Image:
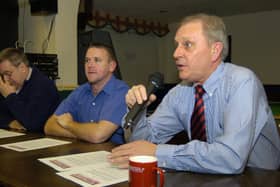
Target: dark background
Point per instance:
(9, 23)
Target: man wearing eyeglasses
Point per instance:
(93, 112)
(27, 97)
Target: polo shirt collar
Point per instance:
(108, 88)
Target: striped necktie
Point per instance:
(198, 128)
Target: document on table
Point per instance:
(87, 169)
(102, 174)
(6, 133)
(34, 144)
(63, 163)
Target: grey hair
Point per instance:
(213, 28)
(14, 55)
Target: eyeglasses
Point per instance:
(9, 73)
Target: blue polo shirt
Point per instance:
(108, 105)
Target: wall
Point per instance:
(8, 20)
(255, 43)
(141, 55)
(166, 48)
(33, 32)
(66, 41)
(137, 55)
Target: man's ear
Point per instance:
(22, 67)
(216, 51)
(113, 65)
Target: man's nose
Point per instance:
(177, 52)
(90, 63)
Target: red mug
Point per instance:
(143, 171)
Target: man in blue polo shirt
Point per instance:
(93, 111)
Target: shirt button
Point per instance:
(93, 103)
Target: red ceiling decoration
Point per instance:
(122, 24)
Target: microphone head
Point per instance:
(156, 79)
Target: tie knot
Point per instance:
(199, 90)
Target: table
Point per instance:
(24, 170)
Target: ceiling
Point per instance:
(173, 10)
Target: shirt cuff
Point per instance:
(164, 154)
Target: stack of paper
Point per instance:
(87, 169)
(34, 144)
(7, 134)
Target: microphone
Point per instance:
(155, 82)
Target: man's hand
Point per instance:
(64, 120)
(17, 126)
(120, 155)
(6, 88)
(138, 94)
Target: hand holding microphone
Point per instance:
(138, 98)
(138, 94)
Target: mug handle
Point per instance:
(161, 175)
